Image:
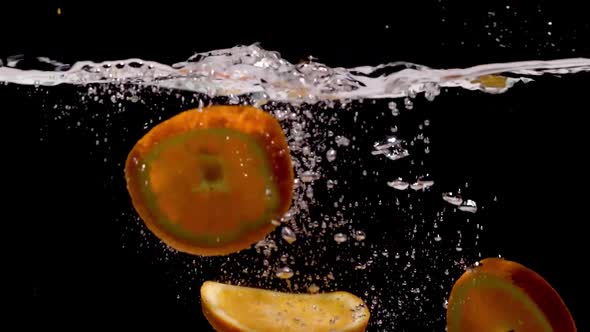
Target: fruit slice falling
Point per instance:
(499, 295)
(209, 182)
(241, 309)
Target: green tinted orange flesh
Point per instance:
(209, 182)
(501, 296)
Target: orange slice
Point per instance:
(501, 296)
(245, 309)
(209, 182)
(492, 81)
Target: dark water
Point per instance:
(519, 155)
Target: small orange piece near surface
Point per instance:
(501, 296)
(209, 182)
(240, 309)
(492, 81)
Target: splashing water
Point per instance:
(253, 70)
(318, 244)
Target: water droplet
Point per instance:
(454, 199)
(468, 206)
(288, 235)
(342, 141)
(398, 184)
(340, 237)
(445, 304)
(309, 176)
(284, 272)
(331, 155)
(359, 235)
(437, 238)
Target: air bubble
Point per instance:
(313, 289)
(392, 148)
(330, 184)
(468, 206)
(340, 237)
(309, 176)
(359, 235)
(284, 272)
(309, 192)
(422, 183)
(288, 235)
(342, 141)
(454, 199)
(331, 155)
(393, 107)
(408, 103)
(398, 184)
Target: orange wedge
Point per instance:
(244, 309)
(501, 296)
(209, 182)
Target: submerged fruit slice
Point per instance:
(238, 308)
(501, 296)
(209, 182)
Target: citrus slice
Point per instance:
(499, 295)
(209, 182)
(492, 81)
(245, 309)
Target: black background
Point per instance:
(527, 146)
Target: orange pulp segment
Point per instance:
(241, 309)
(499, 295)
(209, 182)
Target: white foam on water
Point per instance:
(251, 69)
